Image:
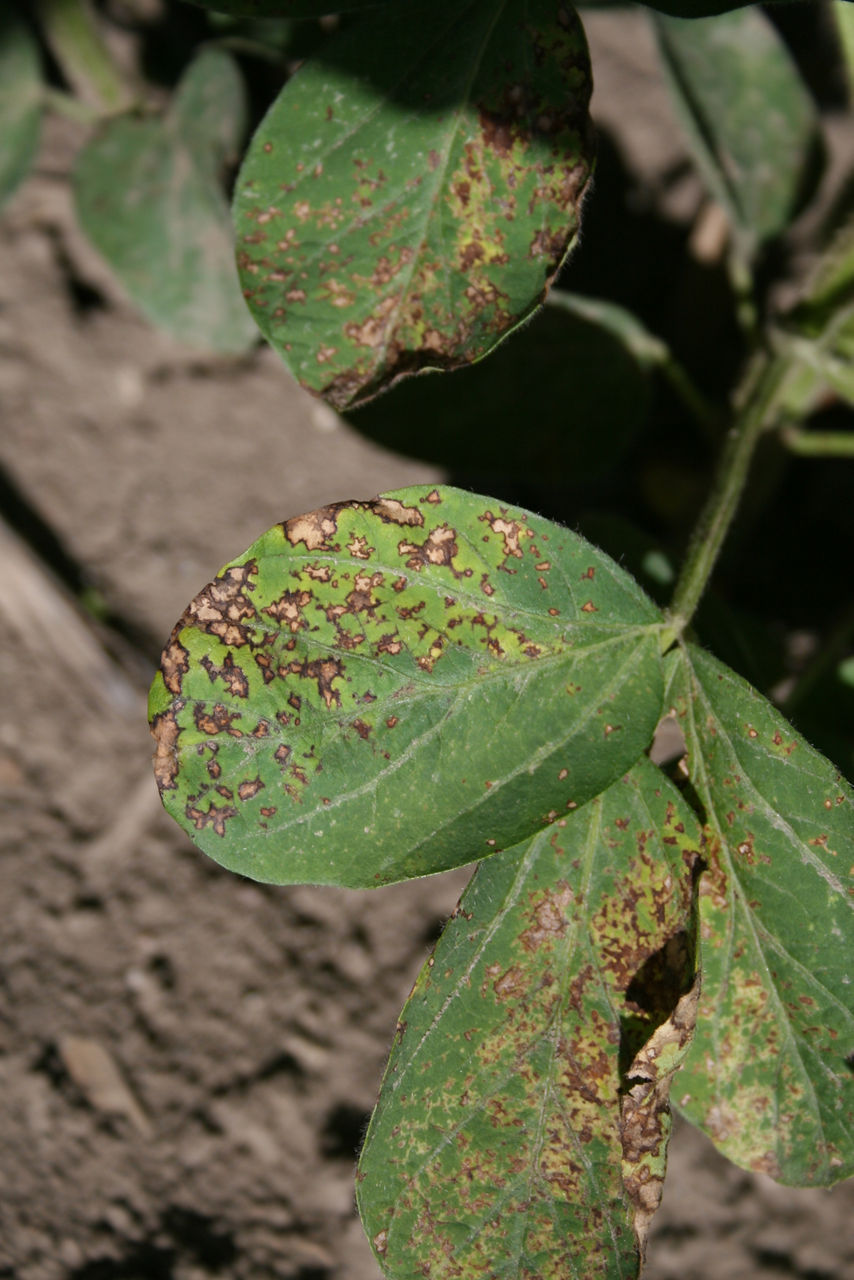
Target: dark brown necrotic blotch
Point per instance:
(165, 730)
(174, 662)
(216, 720)
(232, 676)
(439, 548)
(223, 608)
(315, 528)
(215, 817)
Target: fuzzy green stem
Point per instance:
(65, 104)
(818, 444)
(78, 47)
(753, 407)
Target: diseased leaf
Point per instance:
(408, 198)
(20, 102)
(149, 197)
(581, 392)
(769, 1076)
(509, 1139)
(380, 690)
(751, 123)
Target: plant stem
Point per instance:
(818, 444)
(754, 404)
(65, 104)
(86, 63)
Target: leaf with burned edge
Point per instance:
(769, 1075)
(380, 690)
(500, 1146)
(410, 196)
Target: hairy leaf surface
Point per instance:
(769, 1076)
(502, 1144)
(149, 197)
(411, 194)
(747, 114)
(380, 690)
(20, 102)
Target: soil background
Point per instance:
(187, 1059)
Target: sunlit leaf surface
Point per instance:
(383, 689)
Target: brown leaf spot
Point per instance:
(314, 529)
(589, 607)
(392, 511)
(174, 662)
(165, 731)
(324, 671)
(233, 677)
(218, 720)
(223, 607)
(359, 549)
(216, 817)
(246, 790)
(288, 609)
(439, 549)
(511, 532)
(549, 917)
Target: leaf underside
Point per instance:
(413, 191)
(385, 689)
(509, 1139)
(770, 1075)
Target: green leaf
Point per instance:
(751, 123)
(149, 197)
(580, 390)
(842, 15)
(769, 1076)
(20, 103)
(292, 8)
(698, 8)
(380, 690)
(507, 1137)
(408, 198)
(819, 335)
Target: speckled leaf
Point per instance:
(748, 116)
(408, 199)
(384, 689)
(769, 1076)
(580, 391)
(501, 1145)
(20, 102)
(149, 198)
